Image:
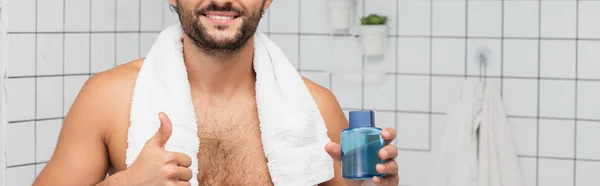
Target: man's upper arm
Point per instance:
(81, 157)
(335, 120)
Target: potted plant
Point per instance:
(340, 14)
(374, 33)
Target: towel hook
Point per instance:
(482, 57)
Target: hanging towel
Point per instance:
(292, 129)
(476, 148)
(498, 160)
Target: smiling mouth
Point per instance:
(221, 16)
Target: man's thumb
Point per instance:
(164, 132)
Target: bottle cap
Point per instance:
(362, 118)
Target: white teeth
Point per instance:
(222, 18)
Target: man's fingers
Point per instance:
(183, 183)
(163, 134)
(388, 152)
(184, 174)
(181, 159)
(387, 180)
(334, 151)
(389, 167)
(388, 134)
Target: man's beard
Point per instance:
(190, 22)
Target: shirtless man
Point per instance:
(218, 58)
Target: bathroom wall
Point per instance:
(3, 64)
(543, 58)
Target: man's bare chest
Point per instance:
(231, 150)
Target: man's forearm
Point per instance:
(119, 178)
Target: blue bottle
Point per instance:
(360, 146)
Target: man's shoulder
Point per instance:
(328, 105)
(121, 73)
(321, 94)
(115, 80)
(110, 91)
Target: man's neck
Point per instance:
(221, 77)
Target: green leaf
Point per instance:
(383, 20)
(364, 21)
(373, 19)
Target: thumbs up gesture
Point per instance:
(156, 166)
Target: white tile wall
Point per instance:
(520, 58)
(557, 138)
(77, 16)
(587, 173)
(522, 19)
(484, 18)
(413, 55)
(77, 53)
(588, 16)
(3, 66)
(45, 138)
(20, 56)
(50, 16)
(414, 18)
(588, 134)
(448, 56)
(23, 175)
(559, 19)
(49, 97)
(21, 144)
(529, 169)
(550, 80)
(588, 58)
(102, 52)
(556, 172)
(449, 18)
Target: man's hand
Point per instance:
(155, 166)
(387, 153)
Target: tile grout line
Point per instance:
(389, 73)
(86, 32)
(377, 110)
(299, 36)
(35, 89)
(63, 62)
(163, 12)
(467, 39)
(34, 120)
(576, 92)
(27, 164)
(139, 52)
(430, 77)
(502, 49)
(90, 42)
(115, 35)
(396, 70)
(559, 158)
(341, 35)
(362, 100)
(537, 159)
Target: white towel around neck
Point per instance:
(292, 129)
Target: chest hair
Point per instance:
(231, 150)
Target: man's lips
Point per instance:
(221, 16)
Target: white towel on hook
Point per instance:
(465, 158)
(498, 160)
(292, 129)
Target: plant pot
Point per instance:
(340, 14)
(374, 39)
